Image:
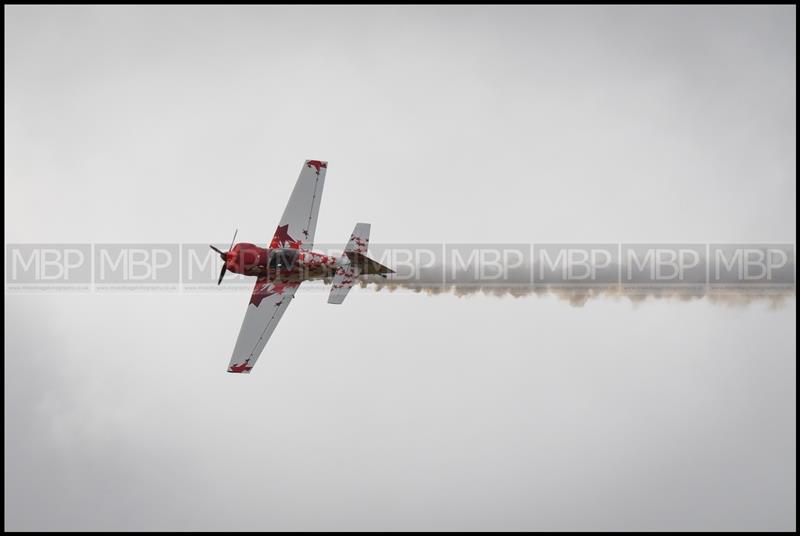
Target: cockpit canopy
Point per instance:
(282, 258)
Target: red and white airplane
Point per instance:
(288, 261)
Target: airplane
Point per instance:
(282, 267)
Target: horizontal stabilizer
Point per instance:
(343, 281)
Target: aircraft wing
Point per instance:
(299, 220)
(267, 305)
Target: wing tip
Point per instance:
(316, 165)
(241, 368)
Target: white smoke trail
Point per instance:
(430, 281)
(578, 297)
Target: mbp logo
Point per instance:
(741, 264)
(411, 262)
(136, 264)
(488, 264)
(664, 264)
(48, 265)
(596, 264)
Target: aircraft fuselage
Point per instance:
(288, 264)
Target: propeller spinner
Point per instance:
(224, 256)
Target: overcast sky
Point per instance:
(400, 411)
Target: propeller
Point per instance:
(224, 257)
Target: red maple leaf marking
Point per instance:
(316, 164)
(358, 240)
(359, 244)
(263, 290)
(241, 367)
(281, 239)
(269, 289)
(278, 288)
